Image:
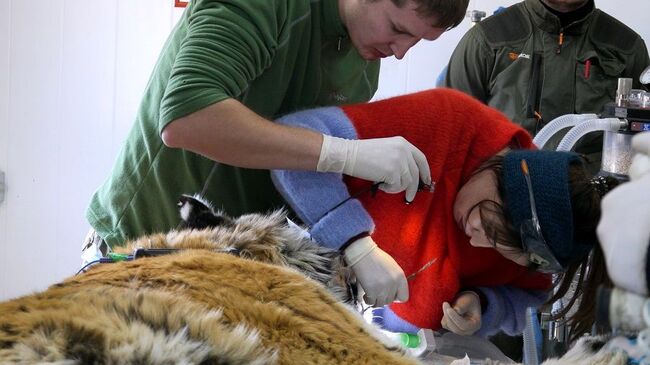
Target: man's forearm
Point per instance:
(231, 133)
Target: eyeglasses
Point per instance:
(531, 235)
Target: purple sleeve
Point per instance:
(506, 309)
(385, 318)
(313, 194)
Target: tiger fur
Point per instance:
(281, 301)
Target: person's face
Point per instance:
(480, 187)
(565, 6)
(378, 28)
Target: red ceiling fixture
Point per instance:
(181, 3)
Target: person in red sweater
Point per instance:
(467, 256)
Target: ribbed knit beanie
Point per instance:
(549, 174)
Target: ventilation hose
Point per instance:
(577, 132)
(532, 338)
(557, 124)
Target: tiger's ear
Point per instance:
(197, 213)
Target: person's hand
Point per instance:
(623, 231)
(464, 318)
(393, 161)
(379, 275)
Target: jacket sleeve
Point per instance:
(506, 309)
(227, 45)
(314, 195)
(637, 63)
(469, 66)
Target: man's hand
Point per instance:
(464, 318)
(379, 275)
(393, 161)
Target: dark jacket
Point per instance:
(523, 62)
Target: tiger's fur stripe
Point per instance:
(104, 324)
(197, 306)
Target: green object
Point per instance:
(410, 340)
(275, 56)
(117, 256)
(499, 59)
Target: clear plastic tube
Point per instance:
(558, 124)
(577, 132)
(532, 338)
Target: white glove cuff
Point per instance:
(332, 155)
(358, 250)
(640, 166)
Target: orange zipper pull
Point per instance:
(560, 42)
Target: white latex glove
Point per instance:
(393, 161)
(624, 233)
(641, 143)
(464, 318)
(381, 278)
(624, 227)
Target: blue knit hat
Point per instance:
(549, 175)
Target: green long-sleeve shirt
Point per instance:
(516, 62)
(276, 56)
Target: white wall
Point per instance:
(71, 76)
(5, 25)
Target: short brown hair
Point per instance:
(449, 13)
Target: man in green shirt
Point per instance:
(227, 69)
(540, 59)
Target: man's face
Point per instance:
(565, 6)
(380, 29)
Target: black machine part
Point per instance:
(638, 118)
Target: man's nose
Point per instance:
(401, 46)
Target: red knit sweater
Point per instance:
(456, 133)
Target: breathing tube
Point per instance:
(557, 124)
(532, 338)
(606, 124)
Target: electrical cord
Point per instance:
(101, 260)
(111, 257)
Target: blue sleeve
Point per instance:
(312, 194)
(506, 309)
